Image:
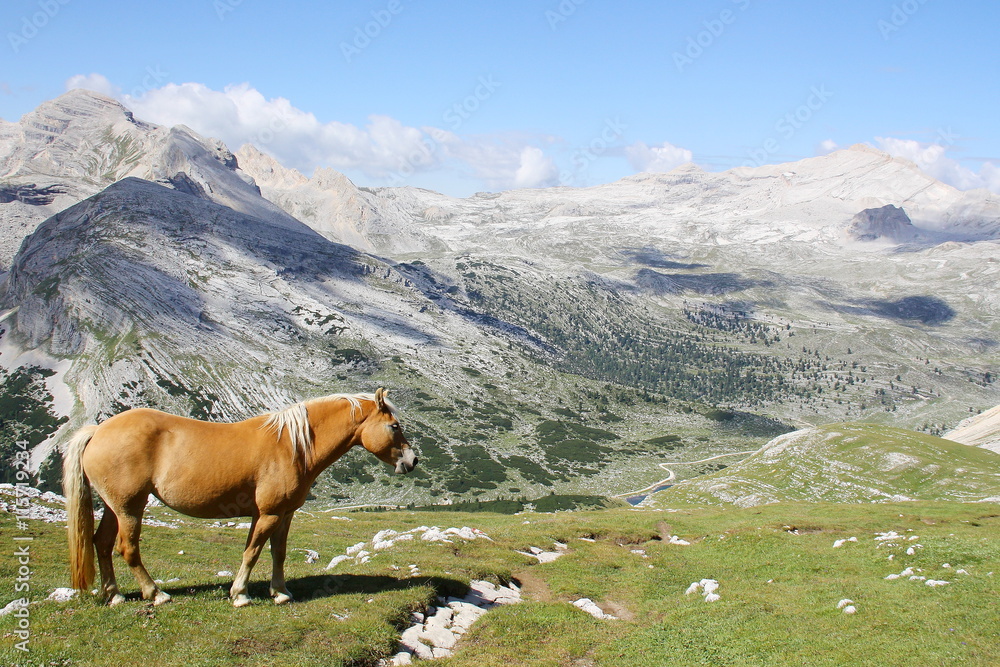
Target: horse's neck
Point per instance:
(335, 431)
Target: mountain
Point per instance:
(982, 430)
(564, 339)
(74, 146)
(888, 222)
(849, 463)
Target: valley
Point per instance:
(563, 340)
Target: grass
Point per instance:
(780, 581)
(850, 462)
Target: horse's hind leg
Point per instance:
(104, 542)
(129, 527)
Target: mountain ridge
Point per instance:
(562, 338)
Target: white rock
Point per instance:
(843, 603)
(223, 573)
(850, 609)
(441, 618)
(337, 560)
(62, 594)
(588, 605)
(439, 637)
(936, 582)
(435, 534)
(355, 549)
(678, 541)
(712, 597)
(693, 588)
(12, 607)
(402, 658)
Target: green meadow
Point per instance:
(780, 581)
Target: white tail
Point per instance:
(79, 511)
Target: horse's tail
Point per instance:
(79, 511)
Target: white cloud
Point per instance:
(656, 158)
(827, 146)
(384, 149)
(240, 114)
(536, 169)
(933, 158)
(95, 82)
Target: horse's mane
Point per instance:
(295, 418)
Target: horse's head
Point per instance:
(382, 435)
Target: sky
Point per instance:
(488, 96)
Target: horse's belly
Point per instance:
(239, 502)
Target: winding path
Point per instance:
(672, 476)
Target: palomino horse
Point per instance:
(261, 468)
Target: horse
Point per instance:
(261, 467)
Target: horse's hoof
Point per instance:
(241, 600)
(282, 598)
(160, 598)
(116, 600)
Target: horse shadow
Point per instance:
(321, 586)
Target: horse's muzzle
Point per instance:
(407, 462)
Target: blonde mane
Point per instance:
(295, 418)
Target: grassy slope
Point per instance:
(779, 591)
(849, 463)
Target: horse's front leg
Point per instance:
(261, 529)
(279, 545)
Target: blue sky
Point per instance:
(462, 97)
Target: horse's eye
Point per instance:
(395, 427)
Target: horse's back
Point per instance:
(187, 463)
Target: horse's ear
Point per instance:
(380, 394)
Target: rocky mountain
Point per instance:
(888, 222)
(562, 339)
(981, 430)
(74, 146)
